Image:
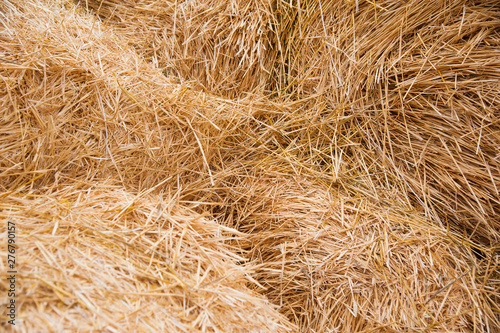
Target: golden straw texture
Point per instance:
(251, 166)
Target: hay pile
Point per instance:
(224, 47)
(100, 259)
(79, 108)
(344, 264)
(422, 80)
(252, 166)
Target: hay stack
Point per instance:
(441, 119)
(224, 47)
(337, 263)
(94, 258)
(420, 79)
(81, 113)
(80, 103)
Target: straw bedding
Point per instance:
(252, 166)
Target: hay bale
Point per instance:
(337, 263)
(420, 81)
(80, 103)
(96, 258)
(224, 47)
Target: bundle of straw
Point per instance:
(419, 80)
(95, 258)
(337, 263)
(223, 47)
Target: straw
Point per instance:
(252, 166)
(99, 259)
